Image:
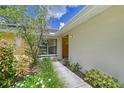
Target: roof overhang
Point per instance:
(84, 15)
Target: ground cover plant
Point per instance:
(75, 67)
(100, 80)
(46, 77)
(65, 62)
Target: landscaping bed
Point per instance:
(46, 77)
(25, 70)
(20, 71)
(93, 77)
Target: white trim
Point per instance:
(87, 13)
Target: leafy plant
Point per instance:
(65, 62)
(23, 65)
(7, 64)
(75, 67)
(98, 79)
(45, 78)
(58, 59)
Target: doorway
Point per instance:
(65, 47)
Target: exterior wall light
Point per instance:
(70, 36)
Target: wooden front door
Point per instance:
(65, 47)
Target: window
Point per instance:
(52, 46)
(48, 47)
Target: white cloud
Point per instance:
(61, 25)
(57, 11)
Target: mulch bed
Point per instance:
(80, 74)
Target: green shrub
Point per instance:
(75, 67)
(7, 64)
(45, 78)
(98, 79)
(65, 62)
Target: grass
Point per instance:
(45, 78)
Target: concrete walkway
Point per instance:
(70, 79)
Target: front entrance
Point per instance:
(65, 46)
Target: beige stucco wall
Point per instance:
(99, 43)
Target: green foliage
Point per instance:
(31, 38)
(45, 78)
(75, 67)
(100, 80)
(13, 12)
(65, 62)
(30, 28)
(7, 64)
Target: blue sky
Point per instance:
(62, 14)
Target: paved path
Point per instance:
(70, 79)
